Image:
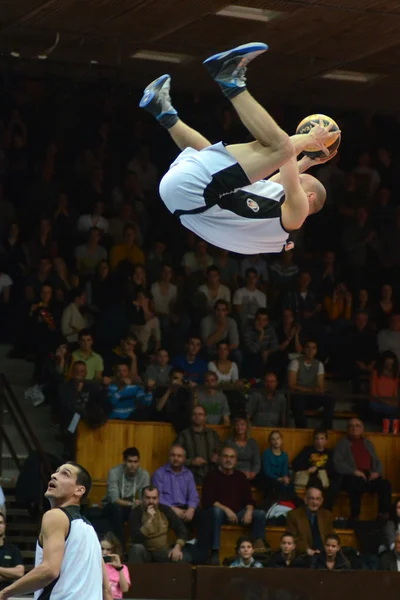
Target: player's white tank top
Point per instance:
(81, 574)
(244, 219)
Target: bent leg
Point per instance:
(186, 137)
(273, 146)
(139, 554)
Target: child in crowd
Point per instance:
(118, 574)
(332, 558)
(275, 463)
(286, 556)
(245, 551)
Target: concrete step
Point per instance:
(18, 526)
(21, 539)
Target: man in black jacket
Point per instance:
(390, 561)
(149, 524)
(317, 458)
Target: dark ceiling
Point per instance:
(310, 38)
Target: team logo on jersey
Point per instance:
(252, 204)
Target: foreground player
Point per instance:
(219, 191)
(69, 563)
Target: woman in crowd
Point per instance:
(275, 478)
(247, 449)
(385, 306)
(226, 370)
(338, 307)
(286, 556)
(384, 385)
(101, 291)
(118, 574)
(288, 334)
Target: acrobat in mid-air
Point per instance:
(225, 194)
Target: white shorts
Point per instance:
(197, 179)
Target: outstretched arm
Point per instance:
(296, 206)
(304, 164)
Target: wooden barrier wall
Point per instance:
(101, 449)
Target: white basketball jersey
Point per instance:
(247, 220)
(81, 574)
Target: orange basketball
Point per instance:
(306, 124)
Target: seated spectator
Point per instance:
(257, 262)
(126, 216)
(149, 524)
(226, 370)
(144, 324)
(363, 303)
(385, 307)
(355, 458)
(93, 361)
(245, 551)
(176, 485)
(11, 561)
(136, 281)
(248, 299)
(327, 275)
(42, 329)
(72, 319)
(247, 449)
(288, 334)
(158, 257)
(125, 485)
(389, 339)
(79, 396)
(360, 352)
(144, 169)
(94, 219)
(118, 574)
(227, 494)
(316, 458)
(129, 400)
(391, 528)
(267, 407)
(174, 404)
(259, 343)
(43, 243)
(164, 293)
(332, 557)
(284, 271)
(197, 262)
(384, 386)
(286, 556)
(64, 282)
(228, 268)
(43, 275)
(193, 366)
(159, 370)
(214, 401)
(201, 443)
(302, 300)
(390, 561)
(212, 290)
(5, 284)
(338, 307)
(217, 327)
(128, 250)
(126, 351)
(90, 254)
(310, 524)
(306, 375)
(274, 478)
(101, 289)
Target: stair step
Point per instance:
(9, 498)
(28, 553)
(17, 512)
(18, 526)
(21, 539)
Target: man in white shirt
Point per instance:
(248, 299)
(94, 219)
(256, 262)
(213, 290)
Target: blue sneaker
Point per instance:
(157, 101)
(229, 68)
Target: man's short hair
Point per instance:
(3, 516)
(131, 453)
(333, 536)
(310, 341)
(288, 534)
(315, 486)
(150, 488)
(178, 446)
(320, 431)
(78, 362)
(251, 271)
(228, 447)
(261, 311)
(203, 408)
(194, 337)
(242, 540)
(221, 302)
(83, 478)
(84, 333)
(129, 336)
(213, 269)
(176, 370)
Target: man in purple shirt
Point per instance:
(177, 489)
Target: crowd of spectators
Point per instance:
(126, 315)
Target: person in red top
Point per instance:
(356, 460)
(384, 386)
(227, 494)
